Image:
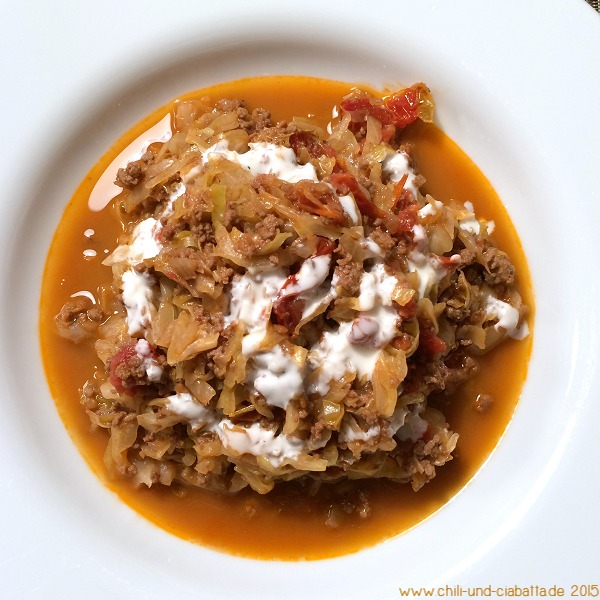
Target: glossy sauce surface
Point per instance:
(285, 524)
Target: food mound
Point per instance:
(284, 301)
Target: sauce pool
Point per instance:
(285, 524)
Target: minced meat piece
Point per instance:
(383, 239)
(500, 270)
(77, 320)
(348, 273)
(255, 239)
(131, 175)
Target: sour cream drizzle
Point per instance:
(395, 165)
(356, 345)
(350, 208)
(255, 439)
(259, 441)
(137, 298)
(277, 377)
(153, 370)
(265, 159)
(508, 318)
(251, 300)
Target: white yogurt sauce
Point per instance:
(259, 441)
(323, 295)
(430, 209)
(413, 428)
(145, 243)
(251, 300)
(376, 285)
(265, 159)
(277, 377)
(508, 318)
(472, 225)
(137, 298)
(350, 434)
(335, 353)
(429, 270)
(349, 207)
(153, 370)
(401, 424)
(395, 165)
(198, 415)
(312, 273)
(373, 250)
(356, 345)
(255, 440)
(85, 294)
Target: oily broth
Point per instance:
(285, 524)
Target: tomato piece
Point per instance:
(450, 262)
(288, 308)
(288, 311)
(361, 107)
(125, 353)
(429, 342)
(345, 183)
(403, 222)
(408, 311)
(324, 246)
(315, 147)
(399, 109)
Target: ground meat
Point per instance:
(212, 322)
(461, 368)
(442, 375)
(222, 274)
(466, 257)
(354, 502)
(255, 239)
(192, 219)
(229, 104)
(261, 119)
(238, 106)
(277, 134)
(183, 264)
(403, 242)
(231, 219)
(128, 369)
(78, 319)
(349, 273)
(359, 398)
(205, 233)
(457, 308)
(383, 239)
(160, 193)
(432, 452)
(89, 395)
(500, 270)
(131, 175)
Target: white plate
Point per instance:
(517, 86)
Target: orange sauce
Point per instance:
(284, 524)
